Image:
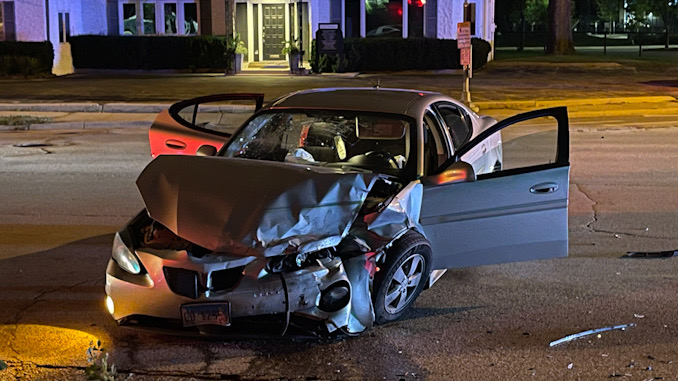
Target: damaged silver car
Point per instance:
(328, 210)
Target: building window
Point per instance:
(352, 18)
(170, 18)
(415, 18)
(149, 18)
(129, 17)
(64, 27)
(7, 25)
(190, 18)
(384, 18)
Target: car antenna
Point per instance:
(376, 87)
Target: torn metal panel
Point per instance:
(362, 311)
(401, 215)
(253, 207)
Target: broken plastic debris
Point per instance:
(588, 333)
(570, 365)
(651, 254)
(638, 316)
(32, 144)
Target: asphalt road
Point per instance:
(62, 201)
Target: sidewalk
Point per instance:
(501, 89)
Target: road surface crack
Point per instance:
(589, 225)
(37, 299)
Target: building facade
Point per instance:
(263, 25)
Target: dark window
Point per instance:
(190, 18)
(113, 18)
(64, 27)
(170, 17)
(129, 16)
(384, 18)
(149, 18)
(435, 148)
(7, 24)
(415, 18)
(431, 14)
(458, 123)
(352, 18)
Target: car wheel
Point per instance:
(402, 277)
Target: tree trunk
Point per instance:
(560, 31)
(230, 17)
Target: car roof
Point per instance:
(394, 101)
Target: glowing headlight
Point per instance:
(124, 257)
(110, 306)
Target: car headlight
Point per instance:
(295, 261)
(124, 256)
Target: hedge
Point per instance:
(150, 52)
(394, 54)
(26, 58)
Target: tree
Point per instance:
(560, 28)
(609, 10)
(667, 10)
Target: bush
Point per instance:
(395, 54)
(26, 58)
(150, 52)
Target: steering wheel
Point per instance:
(384, 156)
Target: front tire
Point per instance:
(402, 278)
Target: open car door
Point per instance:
(209, 120)
(516, 214)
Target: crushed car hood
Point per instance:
(252, 207)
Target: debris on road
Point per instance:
(596, 331)
(617, 375)
(570, 365)
(32, 145)
(651, 254)
(638, 316)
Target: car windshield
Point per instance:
(375, 142)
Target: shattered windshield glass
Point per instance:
(379, 143)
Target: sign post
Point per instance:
(465, 54)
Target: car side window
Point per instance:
(457, 122)
(435, 149)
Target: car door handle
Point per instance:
(544, 188)
(175, 144)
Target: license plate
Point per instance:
(206, 313)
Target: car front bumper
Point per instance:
(173, 278)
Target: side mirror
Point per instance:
(459, 172)
(206, 150)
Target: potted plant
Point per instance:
(238, 49)
(293, 52)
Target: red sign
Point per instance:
(465, 56)
(463, 35)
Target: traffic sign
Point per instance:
(465, 56)
(463, 35)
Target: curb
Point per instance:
(52, 107)
(491, 105)
(77, 126)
